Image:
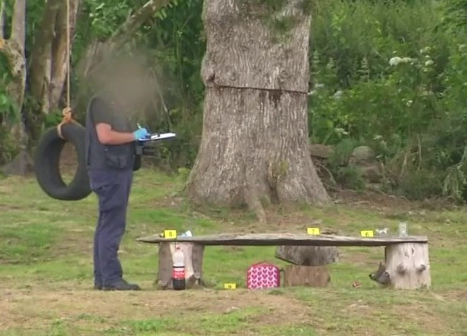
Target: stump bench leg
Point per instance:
(193, 264)
(408, 265)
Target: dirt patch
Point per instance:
(290, 218)
(26, 308)
(173, 202)
(76, 242)
(380, 201)
(9, 207)
(452, 295)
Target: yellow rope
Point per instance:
(67, 112)
(68, 57)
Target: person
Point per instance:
(110, 155)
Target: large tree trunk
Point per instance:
(254, 145)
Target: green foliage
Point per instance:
(8, 114)
(173, 42)
(387, 74)
(104, 17)
(350, 177)
(392, 75)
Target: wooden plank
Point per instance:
(274, 239)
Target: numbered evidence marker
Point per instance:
(230, 286)
(170, 234)
(313, 231)
(367, 233)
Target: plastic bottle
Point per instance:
(178, 270)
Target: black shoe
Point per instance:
(97, 287)
(122, 285)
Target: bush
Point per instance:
(391, 75)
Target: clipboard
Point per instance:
(159, 137)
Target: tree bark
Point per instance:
(59, 61)
(18, 32)
(254, 145)
(18, 35)
(408, 266)
(13, 49)
(2, 19)
(41, 56)
(16, 62)
(307, 255)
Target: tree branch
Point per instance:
(98, 53)
(132, 24)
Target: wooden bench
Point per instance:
(407, 264)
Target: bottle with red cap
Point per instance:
(178, 270)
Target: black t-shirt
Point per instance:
(100, 156)
(100, 112)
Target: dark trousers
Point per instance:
(113, 190)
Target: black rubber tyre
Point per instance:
(47, 168)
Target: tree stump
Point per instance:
(193, 264)
(310, 276)
(408, 266)
(307, 255)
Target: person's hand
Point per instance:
(140, 133)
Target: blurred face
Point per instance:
(129, 83)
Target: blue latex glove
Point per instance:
(140, 133)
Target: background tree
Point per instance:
(43, 62)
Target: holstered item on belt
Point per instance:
(138, 155)
(141, 148)
(137, 162)
(118, 157)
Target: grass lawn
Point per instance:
(46, 270)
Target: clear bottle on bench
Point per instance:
(178, 270)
